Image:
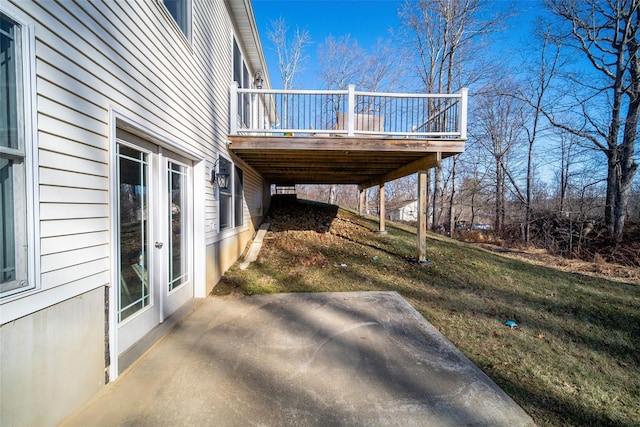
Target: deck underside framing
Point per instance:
(363, 161)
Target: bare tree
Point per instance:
(472, 182)
(340, 61)
(343, 62)
(401, 189)
(549, 62)
(500, 126)
(567, 145)
(290, 49)
(442, 34)
(607, 35)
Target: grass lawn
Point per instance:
(574, 359)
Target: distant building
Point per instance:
(406, 210)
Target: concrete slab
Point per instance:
(256, 245)
(326, 359)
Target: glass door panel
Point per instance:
(133, 197)
(177, 232)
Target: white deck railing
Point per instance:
(347, 113)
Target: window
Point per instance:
(225, 197)
(237, 64)
(14, 237)
(241, 76)
(238, 192)
(180, 10)
(231, 199)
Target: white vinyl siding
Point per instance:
(98, 67)
(254, 196)
(93, 58)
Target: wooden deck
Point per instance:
(347, 137)
(362, 160)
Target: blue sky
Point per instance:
(365, 20)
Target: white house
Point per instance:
(115, 120)
(138, 144)
(405, 210)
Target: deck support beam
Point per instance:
(361, 200)
(436, 189)
(422, 215)
(427, 162)
(382, 229)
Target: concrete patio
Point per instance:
(325, 359)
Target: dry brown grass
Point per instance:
(599, 267)
(574, 358)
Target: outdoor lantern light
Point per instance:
(222, 179)
(258, 80)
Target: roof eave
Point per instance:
(242, 12)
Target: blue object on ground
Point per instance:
(511, 324)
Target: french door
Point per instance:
(155, 237)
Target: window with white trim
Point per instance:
(14, 230)
(238, 196)
(241, 76)
(231, 199)
(180, 10)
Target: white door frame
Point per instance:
(197, 202)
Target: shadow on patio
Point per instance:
(365, 358)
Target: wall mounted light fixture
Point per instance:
(258, 80)
(220, 178)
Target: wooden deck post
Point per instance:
(361, 202)
(351, 106)
(382, 229)
(422, 215)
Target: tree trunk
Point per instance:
(612, 190)
(528, 213)
(332, 195)
(620, 213)
(499, 206)
(473, 208)
(366, 202)
(628, 168)
(564, 174)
